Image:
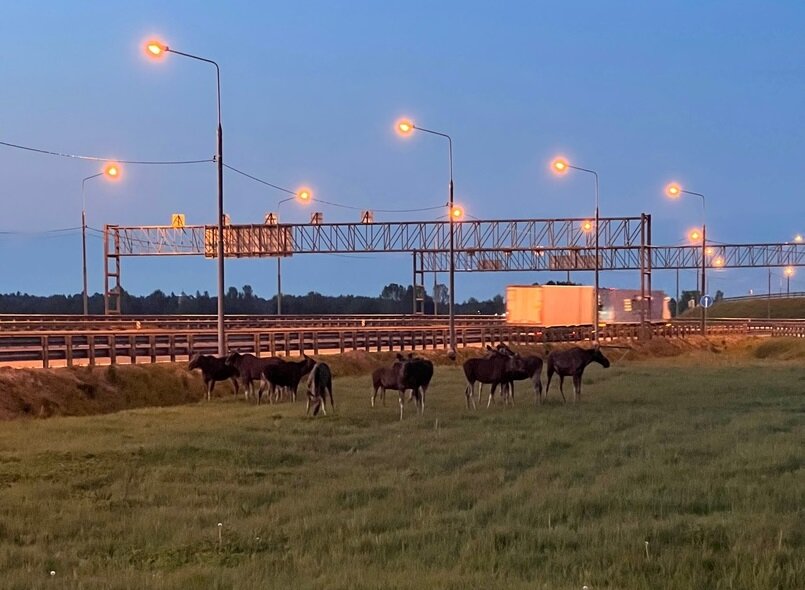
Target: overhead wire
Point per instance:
(100, 159)
(333, 204)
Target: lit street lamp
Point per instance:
(112, 172)
(788, 272)
(674, 191)
(405, 127)
(561, 166)
(157, 50)
(303, 195)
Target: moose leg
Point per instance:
(511, 391)
(548, 386)
(422, 400)
(576, 386)
(402, 403)
(469, 395)
(491, 394)
(561, 387)
(210, 384)
(538, 389)
(329, 390)
(235, 385)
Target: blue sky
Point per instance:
(708, 93)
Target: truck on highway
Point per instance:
(573, 305)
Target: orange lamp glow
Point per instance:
(587, 225)
(718, 261)
(798, 238)
(112, 171)
(789, 271)
(155, 49)
(456, 213)
(695, 235)
(709, 251)
(559, 165)
(304, 195)
(673, 190)
(404, 126)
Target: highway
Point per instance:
(57, 341)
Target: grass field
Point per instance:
(675, 473)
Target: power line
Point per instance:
(99, 159)
(38, 232)
(261, 181)
(290, 192)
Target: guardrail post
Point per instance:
(172, 347)
(45, 353)
(111, 341)
(315, 342)
(91, 352)
(68, 341)
(271, 344)
(257, 345)
(301, 337)
(152, 348)
(133, 349)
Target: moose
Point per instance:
(407, 373)
(384, 378)
(415, 374)
(250, 368)
(319, 386)
(571, 363)
(214, 369)
(530, 368)
(492, 369)
(287, 374)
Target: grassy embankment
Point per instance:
(681, 472)
(756, 308)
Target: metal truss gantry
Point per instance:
(480, 246)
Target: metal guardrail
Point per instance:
(68, 322)
(759, 297)
(49, 348)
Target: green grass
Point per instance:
(701, 460)
(755, 308)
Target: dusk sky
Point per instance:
(710, 94)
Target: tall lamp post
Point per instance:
(112, 172)
(303, 195)
(561, 166)
(405, 127)
(674, 191)
(157, 50)
(788, 272)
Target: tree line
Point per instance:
(393, 299)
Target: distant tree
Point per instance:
(442, 294)
(393, 291)
(719, 295)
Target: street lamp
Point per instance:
(560, 166)
(674, 191)
(304, 196)
(112, 172)
(788, 272)
(157, 50)
(406, 127)
(798, 238)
